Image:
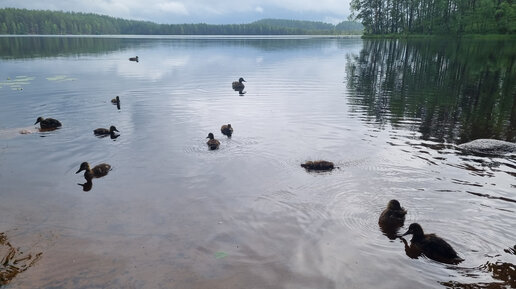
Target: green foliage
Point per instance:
(22, 21)
(436, 16)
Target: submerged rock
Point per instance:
(489, 147)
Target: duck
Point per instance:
(134, 58)
(48, 122)
(392, 218)
(115, 100)
(432, 246)
(105, 131)
(238, 85)
(212, 142)
(97, 171)
(318, 165)
(394, 213)
(227, 130)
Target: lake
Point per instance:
(173, 214)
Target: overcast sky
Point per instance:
(197, 11)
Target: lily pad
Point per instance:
(61, 78)
(220, 255)
(17, 82)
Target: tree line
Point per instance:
(435, 16)
(23, 21)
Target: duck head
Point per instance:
(210, 136)
(241, 80)
(39, 119)
(416, 231)
(84, 167)
(113, 129)
(394, 205)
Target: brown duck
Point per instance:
(392, 218)
(238, 85)
(212, 143)
(227, 130)
(105, 131)
(318, 165)
(97, 171)
(46, 123)
(432, 246)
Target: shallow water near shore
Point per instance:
(173, 214)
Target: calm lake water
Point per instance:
(172, 214)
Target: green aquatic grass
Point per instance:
(220, 255)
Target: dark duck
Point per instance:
(134, 59)
(115, 100)
(97, 171)
(105, 131)
(318, 166)
(238, 85)
(430, 245)
(212, 143)
(226, 130)
(48, 123)
(392, 218)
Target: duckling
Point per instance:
(115, 100)
(238, 85)
(134, 58)
(105, 131)
(392, 218)
(48, 122)
(98, 171)
(212, 142)
(432, 246)
(318, 165)
(227, 130)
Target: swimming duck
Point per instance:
(432, 246)
(105, 131)
(318, 165)
(392, 218)
(97, 171)
(48, 122)
(134, 58)
(238, 85)
(115, 100)
(212, 142)
(227, 130)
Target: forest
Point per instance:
(23, 21)
(435, 17)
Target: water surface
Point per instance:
(172, 214)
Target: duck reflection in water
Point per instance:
(429, 245)
(391, 219)
(87, 185)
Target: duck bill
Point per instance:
(36, 122)
(407, 233)
(79, 171)
(116, 130)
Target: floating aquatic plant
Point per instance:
(17, 82)
(61, 78)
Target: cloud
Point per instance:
(258, 9)
(173, 7)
